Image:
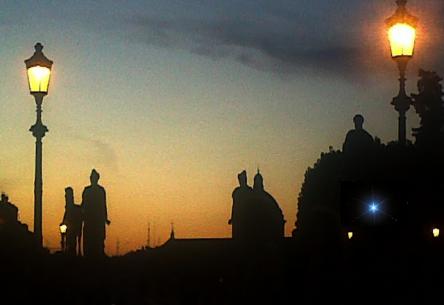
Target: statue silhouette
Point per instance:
(242, 196)
(95, 217)
(8, 211)
(358, 140)
(270, 219)
(73, 220)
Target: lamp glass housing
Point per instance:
(38, 79)
(435, 232)
(402, 38)
(350, 235)
(63, 228)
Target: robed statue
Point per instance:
(95, 217)
(73, 221)
(242, 200)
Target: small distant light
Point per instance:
(373, 208)
(350, 235)
(63, 228)
(435, 232)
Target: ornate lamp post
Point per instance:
(39, 72)
(402, 35)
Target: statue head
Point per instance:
(69, 195)
(242, 177)
(359, 121)
(4, 198)
(94, 178)
(258, 181)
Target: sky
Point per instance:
(170, 100)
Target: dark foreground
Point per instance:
(294, 272)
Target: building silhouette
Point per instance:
(15, 238)
(256, 215)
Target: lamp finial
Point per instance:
(401, 2)
(38, 47)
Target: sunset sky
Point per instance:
(170, 100)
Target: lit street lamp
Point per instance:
(39, 71)
(435, 232)
(402, 35)
(350, 235)
(63, 228)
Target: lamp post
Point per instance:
(402, 35)
(39, 71)
(63, 227)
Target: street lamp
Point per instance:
(63, 228)
(39, 72)
(402, 35)
(435, 232)
(350, 235)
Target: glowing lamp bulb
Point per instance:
(402, 39)
(63, 228)
(350, 235)
(38, 78)
(435, 232)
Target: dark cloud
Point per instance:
(102, 153)
(262, 46)
(340, 38)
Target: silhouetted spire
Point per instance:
(148, 237)
(258, 181)
(172, 236)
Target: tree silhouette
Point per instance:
(409, 175)
(429, 105)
